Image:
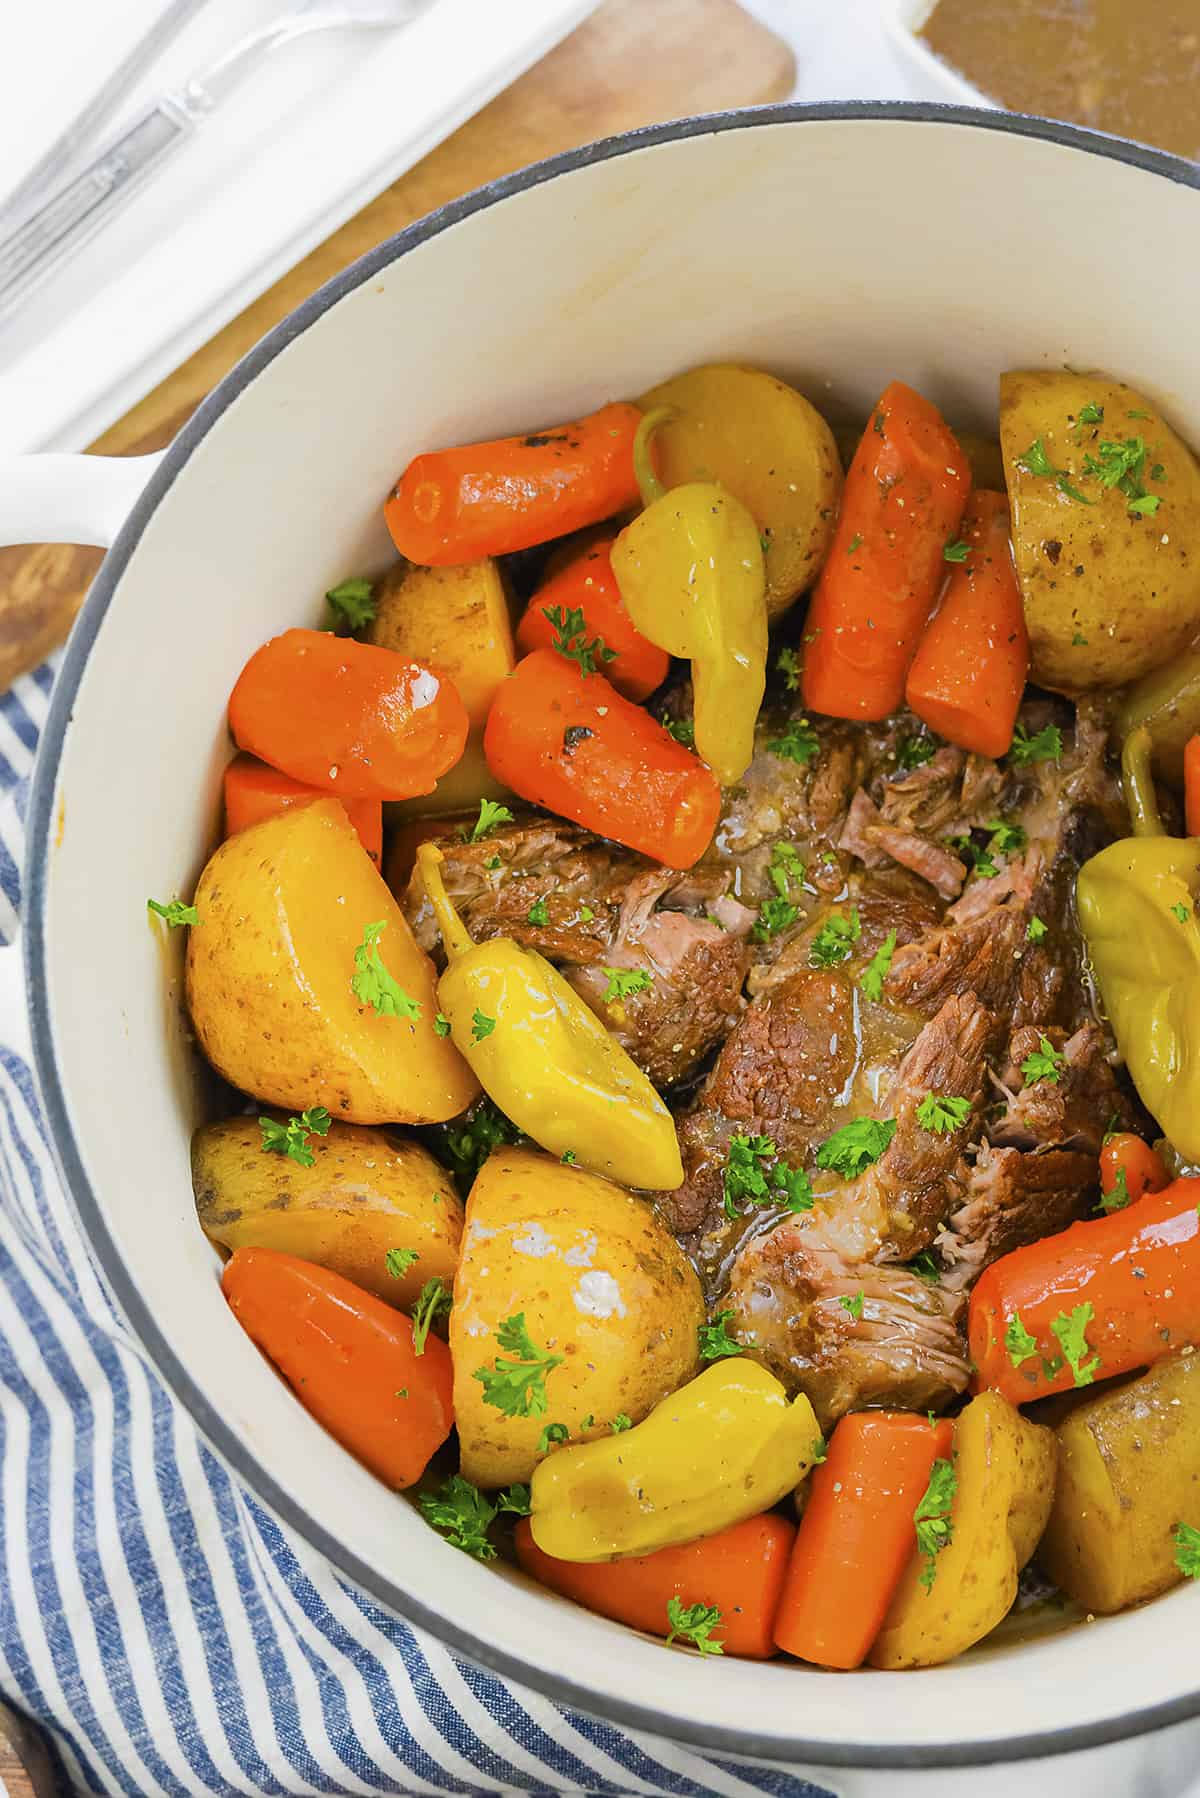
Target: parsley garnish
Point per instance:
(1071, 1331)
(932, 1518)
(514, 1499)
(553, 1432)
(1120, 464)
(755, 1172)
(622, 984)
(1035, 930)
(433, 1301)
(682, 729)
(291, 1139)
(774, 915)
(174, 912)
(799, 742)
(490, 817)
(569, 1158)
(469, 1145)
(398, 1261)
(441, 1024)
(957, 551)
(1046, 745)
(1092, 414)
(1118, 1194)
(1035, 461)
(571, 641)
(853, 1303)
(1045, 1063)
(1187, 1550)
(925, 1268)
(856, 542)
(786, 869)
(372, 983)
(1017, 1340)
(835, 940)
(1007, 839)
(461, 1513)
(517, 1387)
(819, 1450)
(941, 1113)
(856, 1145)
(914, 752)
(481, 1025)
(785, 661)
(878, 968)
(620, 1422)
(715, 1340)
(1181, 912)
(694, 1625)
(352, 604)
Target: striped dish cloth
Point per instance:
(170, 1635)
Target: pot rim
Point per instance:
(40, 832)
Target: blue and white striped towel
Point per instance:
(168, 1632)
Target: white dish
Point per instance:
(565, 285)
(902, 20)
(320, 130)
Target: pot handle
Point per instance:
(69, 499)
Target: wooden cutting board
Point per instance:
(634, 62)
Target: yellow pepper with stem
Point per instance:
(1137, 909)
(544, 1057)
(724, 1447)
(690, 570)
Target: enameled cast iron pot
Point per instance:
(839, 246)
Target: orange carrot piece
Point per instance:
(488, 499)
(588, 585)
(254, 791)
(969, 671)
(1130, 1280)
(1191, 785)
(739, 1570)
(568, 741)
(903, 501)
(349, 1358)
(356, 721)
(1128, 1155)
(857, 1534)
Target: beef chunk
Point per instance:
(1075, 1110)
(981, 957)
(928, 798)
(904, 1351)
(1012, 1199)
(866, 836)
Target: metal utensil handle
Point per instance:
(57, 229)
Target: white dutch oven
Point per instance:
(840, 246)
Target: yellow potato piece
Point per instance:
(763, 441)
(1108, 594)
(283, 906)
(1128, 1472)
(366, 1192)
(599, 1281)
(457, 621)
(1005, 1469)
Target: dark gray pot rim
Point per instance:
(746, 1742)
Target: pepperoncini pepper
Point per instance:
(690, 571)
(1137, 902)
(724, 1447)
(544, 1057)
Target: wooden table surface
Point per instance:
(634, 62)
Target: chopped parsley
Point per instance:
(799, 742)
(441, 1024)
(932, 1518)
(398, 1261)
(460, 1512)
(715, 1340)
(516, 1381)
(174, 912)
(853, 1303)
(620, 1422)
(352, 604)
(925, 1268)
(538, 914)
(291, 1139)
(1091, 414)
(569, 1158)
(774, 915)
(433, 1301)
(1035, 930)
(914, 752)
(1187, 1550)
(852, 1149)
(958, 551)
(785, 661)
(491, 816)
(372, 983)
(877, 969)
(1181, 912)
(481, 1025)
(694, 1625)
(940, 1113)
(1120, 464)
(1007, 839)
(1046, 745)
(571, 640)
(1071, 1331)
(835, 940)
(1020, 1344)
(1035, 461)
(786, 869)
(682, 729)
(1118, 1194)
(622, 984)
(756, 1173)
(514, 1499)
(856, 542)
(819, 1450)
(469, 1144)
(1045, 1063)
(553, 1432)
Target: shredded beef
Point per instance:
(1012, 1199)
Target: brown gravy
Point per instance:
(1134, 71)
